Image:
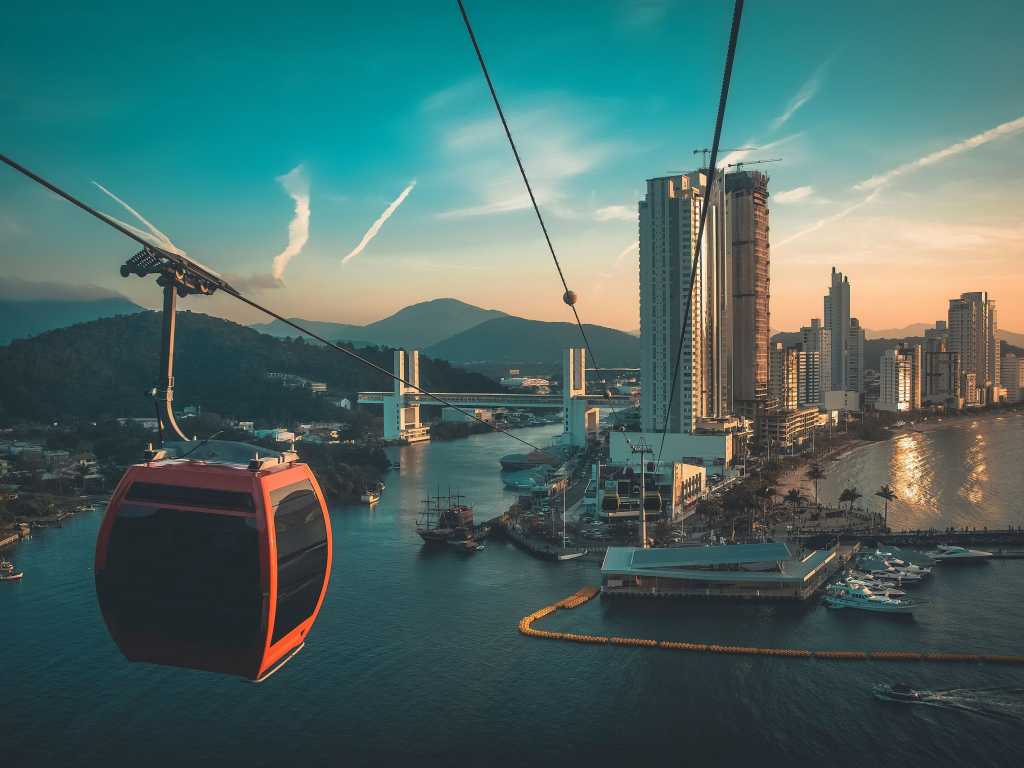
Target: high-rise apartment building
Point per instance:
(855, 357)
(725, 348)
(784, 364)
(669, 218)
(837, 320)
(747, 236)
(972, 336)
(1012, 377)
(940, 369)
(894, 382)
(814, 371)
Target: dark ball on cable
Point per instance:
(569, 297)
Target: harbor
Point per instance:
(422, 598)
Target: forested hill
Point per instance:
(105, 368)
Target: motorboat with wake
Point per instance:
(901, 692)
(947, 553)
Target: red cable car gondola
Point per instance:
(214, 557)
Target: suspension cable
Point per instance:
(227, 288)
(568, 297)
(722, 99)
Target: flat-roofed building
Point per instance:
(750, 571)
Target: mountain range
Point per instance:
(417, 326)
(462, 333)
(104, 368)
(30, 308)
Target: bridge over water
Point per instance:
(581, 411)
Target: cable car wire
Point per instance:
(227, 288)
(730, 55)
(568, 297)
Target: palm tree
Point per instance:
(852, 494)
(844, 497)
(794, 497)
(816, 473)
(764, 494)
(886, 492)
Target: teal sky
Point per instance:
(193, 114)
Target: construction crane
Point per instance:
(741, 163)
(707, 151)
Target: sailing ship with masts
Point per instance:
(448, 520)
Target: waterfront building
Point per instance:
(783, 378)
(787, 429)
(972, 336)
(724, 366)
(708, 447)
(855, 357)
(669, 218)
(814, 373)
(671, 489)
(900, 379)
(747, 227)
(1012, 376)
(747, 571)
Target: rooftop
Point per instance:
(716, 563)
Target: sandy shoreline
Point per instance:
(796, 477)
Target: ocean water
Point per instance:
(967, 473)
(415, 659)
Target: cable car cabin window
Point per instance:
(186, 579)
(212, 498)
(301, 554)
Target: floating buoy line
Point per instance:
(587, 594)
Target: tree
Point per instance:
(816, 473)
(851, 495)
(794, 497)
(887, 493)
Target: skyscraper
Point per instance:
(669, 220)
(972, 335)
(783, 376)
(837, 320)
(895, 381)
(747, 236)
(855, 357)
(814, 372)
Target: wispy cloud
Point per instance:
(156, 232)
(978, 140)
(624, 254)
(375, 227)
(761, 149)
(876, 184)
(296, 185)
(807, 92)
(554, 148)
(615, 213)
(151, 234)
(260, 281)
(792, 195)
(830, 219)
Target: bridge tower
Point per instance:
(579, 418)
(401, 417)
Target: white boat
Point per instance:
(877, 587)
(571, 555)
(894, 575)
(946, 553)
(842, 595)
